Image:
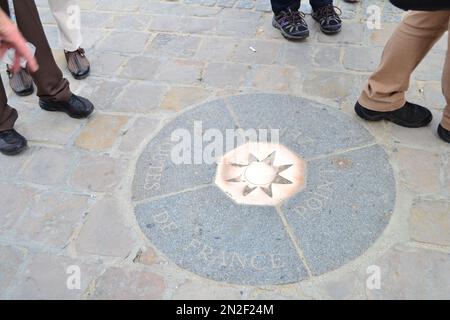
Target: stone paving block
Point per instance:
(52, 218)
(101, 132)
(209, 234)
(236, 28)
(170, 8)
(15, 200)
(266, 52)
(273, 78)
(126, 284)
(226, 3)
(413, 274)
(158, 173)
(196, 25)
(10, 166)
(106, 64)
(133, 136)
(171, 45)
(117, 238)
(92, 19)
(207, 290)
(125, 42)
(332, 233)
(362, 59)
(141, 68)
(216, 49)
(352, 33)
(97, 173)
(295, 54)
(178, 98)
(413, 163)
(11, 258)
(328, 57)
(430, 222)
(46, 276)
(225, 74)
(431, 68)
(103, 93)
(118, 5)
(134, 22)
(179, 71)
(49, 166)
(166, 23)
(245, 4)
(433, 95)
(283, 113)
(332, 85)
(140, 97)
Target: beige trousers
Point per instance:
(67, 16)
(410, 43)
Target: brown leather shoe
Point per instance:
(21, 82)
(77, 63)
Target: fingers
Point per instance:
(22, 51)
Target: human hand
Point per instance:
(10, 37)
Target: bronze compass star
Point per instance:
(262, 174)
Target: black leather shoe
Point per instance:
(410, 115)
(76, 107)
(11, 142)
(444, 134)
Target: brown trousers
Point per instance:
(410, 43)
(49, 79)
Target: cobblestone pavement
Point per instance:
(66, 201)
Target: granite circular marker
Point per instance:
(325, 192)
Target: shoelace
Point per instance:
(293, 17)
(329, 11)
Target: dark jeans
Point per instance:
(280, 5)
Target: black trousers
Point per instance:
(282, 5)
(49, 79)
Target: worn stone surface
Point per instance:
(195, 290)
(124, 284)
(45, 276)
(12, 258)
(430, 222)
(413, 274)
(101, 131)
(106, 232)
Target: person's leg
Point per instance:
(284, 5)
(49, 79)
(8, 115)
(316, 4)
(411, 41)
(444, 129)
(67, 16)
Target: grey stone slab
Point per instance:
(307, 128)
(209, 234)
(346, 206)
(156, 173)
